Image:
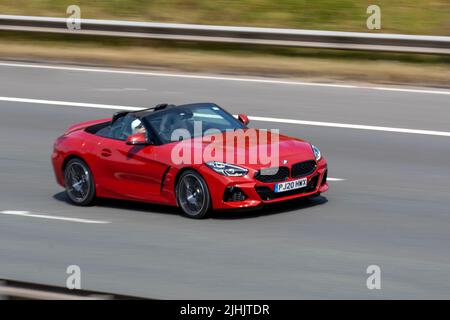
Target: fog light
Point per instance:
(234, 194)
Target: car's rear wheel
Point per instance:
(193, 195)
(79, 183)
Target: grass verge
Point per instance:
(400, 16)
(305, 64)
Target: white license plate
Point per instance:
(291, 185)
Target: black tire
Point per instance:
(193, 195)
(79, 182)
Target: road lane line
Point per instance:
(351, 126)
(69, 103)
(335, 179)
(44, 216)
(254, 118)
(222, 78)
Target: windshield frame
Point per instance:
(160, 141)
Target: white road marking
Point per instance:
(335, 179)
(352, 126)
(44, 216)
(254, 118)
(69, 104)
(222, 78)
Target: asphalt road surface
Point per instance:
(391, 210)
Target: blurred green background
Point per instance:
(401, 16)
(404, 16)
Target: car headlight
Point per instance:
(226, 169)
(317, 153)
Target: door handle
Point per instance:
(106, 153)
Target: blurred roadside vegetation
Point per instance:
(399, 16)
(295, 63)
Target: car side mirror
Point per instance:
(137, 139)
(243, 118)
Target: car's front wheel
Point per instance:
(79, 183)
(193, 195)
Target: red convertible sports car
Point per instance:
(196, 156)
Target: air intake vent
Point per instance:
(273, 174)
(304, 168)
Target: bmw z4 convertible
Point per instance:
(196, 156)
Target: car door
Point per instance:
(132, 172)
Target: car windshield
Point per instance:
(190, 121)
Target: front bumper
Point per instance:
(258, 193)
